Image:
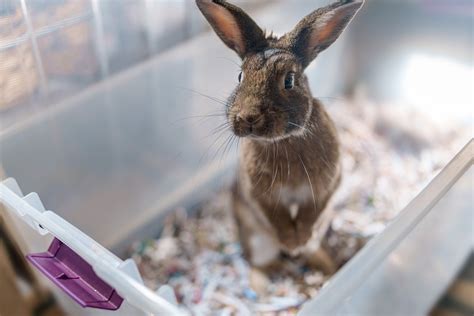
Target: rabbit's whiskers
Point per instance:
(231, 61)
(274, 169)
(228, 146)
(202, 117)
(223, 147)
(309, 180)
(220, 131)
(279, 194)
(288, 161)
(262, 168)
(222, 102)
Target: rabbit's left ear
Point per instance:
(235, 28)
(320, 29)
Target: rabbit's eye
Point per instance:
(241, 76)
(290, 81)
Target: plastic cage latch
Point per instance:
(75, 277)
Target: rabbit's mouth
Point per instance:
(271, 126)
(244, 127)
(271, 136)
(265, 128)
(271, 130)
(247, 123)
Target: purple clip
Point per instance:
(75, 277)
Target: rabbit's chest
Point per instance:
(292, 198)
(290, 195)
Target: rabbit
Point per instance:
(289, 158)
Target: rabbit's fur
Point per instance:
(289, 156)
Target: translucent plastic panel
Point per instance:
(167, 22)
(19, 80)
(69, 58)
(12, 24)
(125, 33)
(47, 12)
(417, 272)
(117, 152)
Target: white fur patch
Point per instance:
(294, 208)
(292, 198)
(272, 52)
(264, 249)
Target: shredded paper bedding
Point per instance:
(389, 153)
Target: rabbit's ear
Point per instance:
(320, 29)
(236, 29)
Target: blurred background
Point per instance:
(103, 103)
(52, 49)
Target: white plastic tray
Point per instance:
(367, 273)
(123, 276)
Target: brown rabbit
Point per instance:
(289, 158)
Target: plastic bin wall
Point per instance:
(116, 156)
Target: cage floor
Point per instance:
(389, 154)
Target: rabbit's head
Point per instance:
(272, 100)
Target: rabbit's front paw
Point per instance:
(264, 249)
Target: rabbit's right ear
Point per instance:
(236, 29)
(320, 29)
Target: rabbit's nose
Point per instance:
(247, 123)
(249, 118)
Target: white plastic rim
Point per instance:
(106, 265)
